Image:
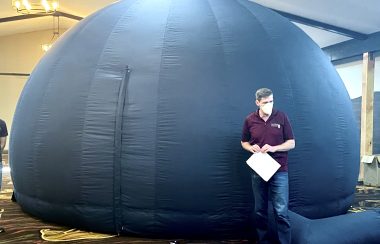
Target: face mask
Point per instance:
(267, 108)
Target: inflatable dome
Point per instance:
(131, 123)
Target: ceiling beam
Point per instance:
(67, 15)
(14, 74)
(323, 26)
(32, 16)
(21, 17)
(352, 50)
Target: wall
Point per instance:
(351, 74)
(18, 54)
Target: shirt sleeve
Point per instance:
(288, 131)
(3, 129)
(245, 135)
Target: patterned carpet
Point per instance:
(367, 197)
(22, 228)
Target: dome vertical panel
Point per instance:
(176, 84)
(147, 21)
(103, 119)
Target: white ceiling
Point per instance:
(321, 37)
(359, 16)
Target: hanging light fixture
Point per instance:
(45, 47)
(35, 6)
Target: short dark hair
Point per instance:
(262, 93)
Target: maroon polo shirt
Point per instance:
(275, 131)
(3, 133)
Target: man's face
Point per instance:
(264, 101)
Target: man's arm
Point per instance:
(3, 141)
(286, 146)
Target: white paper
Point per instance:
(263, 164)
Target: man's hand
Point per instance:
(254, 148)
(268, 148)
(250, 148)
(3, 141)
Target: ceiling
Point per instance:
(354, 15)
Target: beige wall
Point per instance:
(18, 54)
(351, 74)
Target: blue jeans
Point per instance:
(278, 188)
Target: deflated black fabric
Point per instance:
(132, 121)
(356, 104)
(360, 227)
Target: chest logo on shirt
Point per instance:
(275, 125)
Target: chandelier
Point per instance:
(45, 47)
(35, 6)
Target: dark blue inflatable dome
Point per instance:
(132, 121)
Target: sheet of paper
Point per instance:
(263, 164)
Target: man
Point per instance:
(3, 137)
(3, 141)
(269, 131)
